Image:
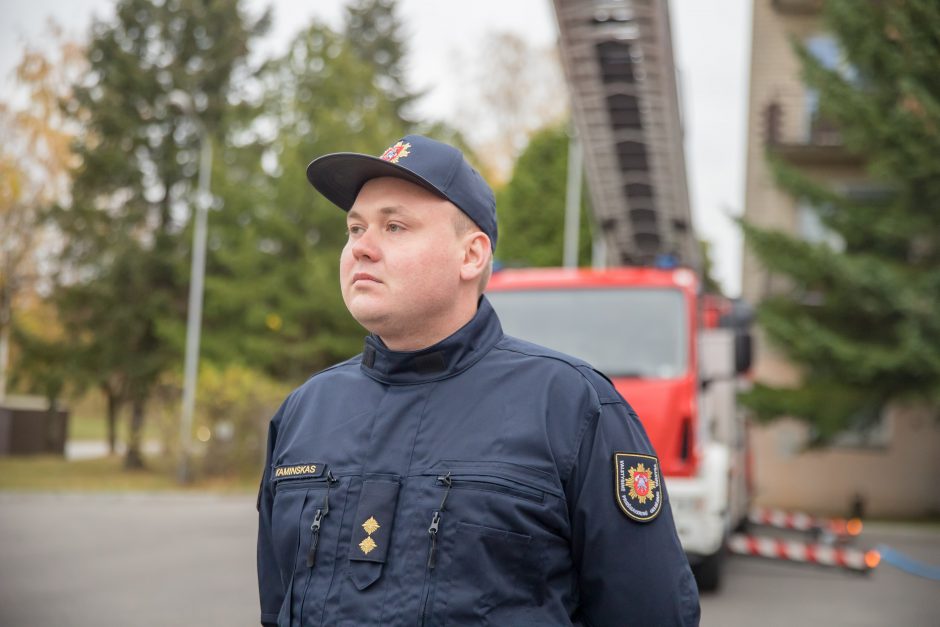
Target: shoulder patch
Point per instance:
(638, 486)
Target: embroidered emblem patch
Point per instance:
(638, 485)
(368, 544)
(393, 153)
(299, 471)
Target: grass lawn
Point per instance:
(89, 428)
(51, 473)
(87, 422)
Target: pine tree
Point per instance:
(121, 292)
(378, 37)
(862, 321)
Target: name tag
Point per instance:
(310, 470)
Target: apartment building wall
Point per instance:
(895, 468)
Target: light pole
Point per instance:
(573, 201)
(196, 277)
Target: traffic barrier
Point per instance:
(798, 521)
(804, 552)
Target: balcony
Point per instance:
(797, 7)
(794, 129)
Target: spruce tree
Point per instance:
(273, 298)
(122, 289)
(531, 206)
(862, 320)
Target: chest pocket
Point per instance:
(306, 521)
(492, 531)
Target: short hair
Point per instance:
(463, 224)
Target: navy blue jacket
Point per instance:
(481, 481)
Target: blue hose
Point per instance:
(908, 565)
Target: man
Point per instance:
(450, 474)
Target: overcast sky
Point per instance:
(712, 41)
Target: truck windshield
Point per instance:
(622, 332)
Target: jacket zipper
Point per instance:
(470, 480)
(433, 530)
(496, 485)
(315, 538)
(318, 520)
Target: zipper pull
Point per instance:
(432, 530)
(448, 483)
(436, 519)
(330, 480)
(318, 520)
(315, 529)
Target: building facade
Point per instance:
(891, 469)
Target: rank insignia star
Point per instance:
(367, 545)
(371, 525)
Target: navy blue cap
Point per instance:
(437, 167)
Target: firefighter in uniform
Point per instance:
(450, 474)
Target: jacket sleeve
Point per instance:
(630, 573)
(270, 586)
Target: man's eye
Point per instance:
(353, 230)
(394, 228)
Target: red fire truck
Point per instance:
(676, 355)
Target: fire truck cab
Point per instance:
(676, 356)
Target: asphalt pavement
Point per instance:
(770, 593)
(98, 560)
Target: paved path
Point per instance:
(91, 449)
(182, 559)
(127, 560)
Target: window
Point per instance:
(811, 229)
(825, 49)
(627, 332)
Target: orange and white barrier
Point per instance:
(799, 521)
(793, 551)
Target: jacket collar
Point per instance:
(447, 358)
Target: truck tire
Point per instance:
(708, 571)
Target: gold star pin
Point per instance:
(371, 526)
(367, 545)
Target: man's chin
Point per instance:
(369, 315)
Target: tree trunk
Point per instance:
(114, 407)
(134, 459)
(4, 341)
(50, 436)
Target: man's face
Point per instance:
(400, 268)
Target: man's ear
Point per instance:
(476, 256)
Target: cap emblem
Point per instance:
(393, 153)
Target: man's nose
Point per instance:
(365, 246)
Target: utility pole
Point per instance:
(196, 279)
(573, 201)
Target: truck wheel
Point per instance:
(708, 571)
